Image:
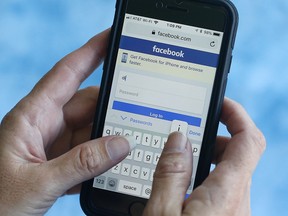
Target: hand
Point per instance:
(226, 191)
(36, 163)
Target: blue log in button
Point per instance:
(155, 113)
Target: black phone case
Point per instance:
(107, 198)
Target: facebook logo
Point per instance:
(168, 52)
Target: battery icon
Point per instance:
(216, 34)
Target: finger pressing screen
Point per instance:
(172, 177)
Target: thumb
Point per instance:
(87, 161)
(172, 177)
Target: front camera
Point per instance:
(159, 4)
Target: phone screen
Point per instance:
(163, 81)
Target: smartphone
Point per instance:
(166, 70)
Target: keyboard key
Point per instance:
(118, 131)
(148, 157)
(156, 141)
(145, 173)
(116, 169)
(130, 155)
(112, 184)
(146, 192)
(125, 169)
(127, 133)
(108, 130)
(195, 133)
(179, 126)
(130, 188)
(99, 181)
(138, 155)
(156, 158)
(138, 137)
(196, 150)
(146, 139)
(135, 171)
(164, 140)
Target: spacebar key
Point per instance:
(131, 188)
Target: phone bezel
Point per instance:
(122, 202)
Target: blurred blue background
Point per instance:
(35, 34)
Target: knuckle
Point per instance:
(7, 118)
(88, 159)
(170, 165)
(260, 141)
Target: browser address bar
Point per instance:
(175, 37)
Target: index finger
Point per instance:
(41, 112)
(226, 186)
(247, 143)
(61, 83)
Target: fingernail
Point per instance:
(132, 142)
(119, 147)
(176, 142)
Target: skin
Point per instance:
(45, 151)
(226, 191)
(40, 155)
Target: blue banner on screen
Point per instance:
(150, 112)
(169, 51)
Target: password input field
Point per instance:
(160, 93)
